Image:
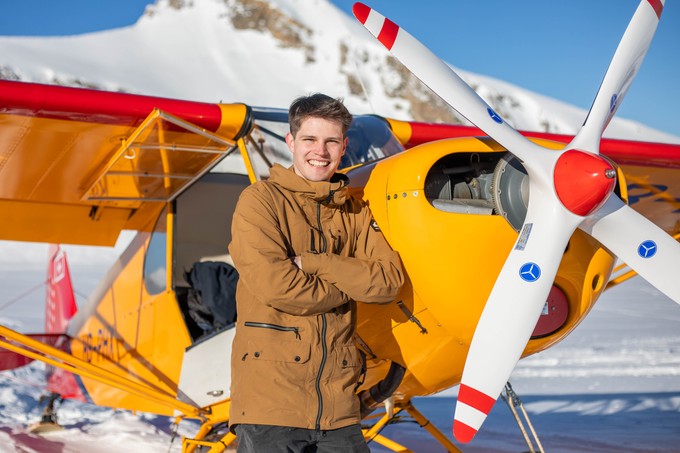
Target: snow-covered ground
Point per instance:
(613, 385)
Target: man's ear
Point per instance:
(289, 141)
(344, 145)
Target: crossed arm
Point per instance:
(309, 283)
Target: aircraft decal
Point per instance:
(494, 116)
(530, 272)
(647, 249)
(612, 102)
(524, 237)
(99, 347)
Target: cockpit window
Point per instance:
(155, 259)
(266, 145)
(369, 139)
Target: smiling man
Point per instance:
(305, 252)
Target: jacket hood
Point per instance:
(333, 191)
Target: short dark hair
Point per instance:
(318, 105)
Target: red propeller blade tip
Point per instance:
(462, 432)
(361, 12)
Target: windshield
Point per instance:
(369, 139)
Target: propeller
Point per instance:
(570, 188)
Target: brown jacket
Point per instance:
(294, 362)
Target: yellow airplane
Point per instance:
(507, 238)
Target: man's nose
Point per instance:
(323, 149)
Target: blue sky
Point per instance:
(560, 49)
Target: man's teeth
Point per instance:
(317, 163)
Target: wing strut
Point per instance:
(22, 344)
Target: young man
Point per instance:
(305, 252)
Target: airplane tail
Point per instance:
(60, 303)
(60, 307)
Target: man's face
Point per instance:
(317, 148)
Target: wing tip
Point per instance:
(361, 12)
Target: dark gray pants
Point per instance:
(282, 439)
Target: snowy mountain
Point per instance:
(266, 53)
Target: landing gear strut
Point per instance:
(513, 401)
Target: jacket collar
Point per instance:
(333, 191)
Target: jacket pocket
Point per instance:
(349, 357)
(338, 239)
(266, 325)
(288, 351)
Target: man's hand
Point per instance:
(297, 260)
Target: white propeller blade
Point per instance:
(622, 70)
(512, 310)
(643, 246)
(441, 79)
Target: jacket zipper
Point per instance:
(322, 237)
(324, 352)
(265, 325)
(324, 347)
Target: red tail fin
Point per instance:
(60, 308)
(61, 301)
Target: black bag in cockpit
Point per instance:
(212, 296)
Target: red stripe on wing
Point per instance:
(80, 104)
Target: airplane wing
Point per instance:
(78, 166)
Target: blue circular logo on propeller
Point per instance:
(530, 272)
(647, 249)
(494, 116)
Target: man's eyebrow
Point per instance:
(339, 137)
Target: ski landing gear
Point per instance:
(48, 421)
(513, 402)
